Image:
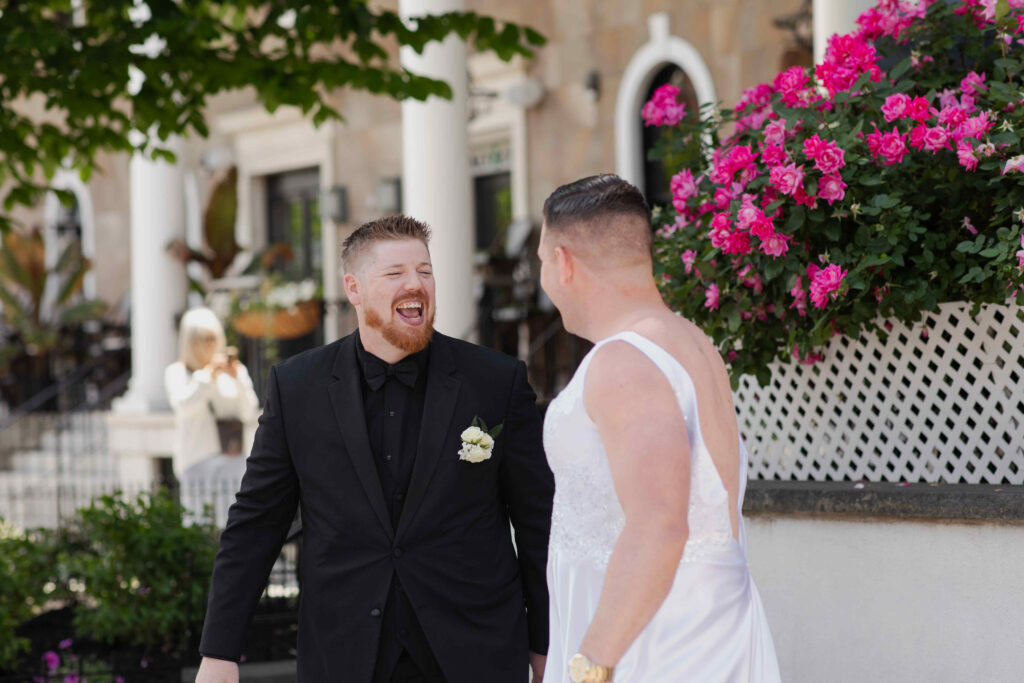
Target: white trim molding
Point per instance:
(662, 48)
(71, 181)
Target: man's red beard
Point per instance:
(405, 337)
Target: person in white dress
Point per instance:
(203, 387)
(647, 567)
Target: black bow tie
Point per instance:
(377, 373)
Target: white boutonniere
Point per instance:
(478, 441)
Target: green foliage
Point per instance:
(22, 563)
(24, 277)
(903, 231)
(289, 53)
(145, 573)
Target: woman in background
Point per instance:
(215, 411)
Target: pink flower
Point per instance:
(965, 155)
(1014, 164)
(895, 107)
(720, 229)
(1020, 25)
(809, 359)
(952, 116)
(799, 297)
(773, 156)
(775, 133)
(746, 216)
(917, 136)
(775, 245)
(65, 644)
(683, 189)
(968, 226)
(831, 188)
(737, 242)
(846, 58)
(948, 98)
(688, 257)
(1020, 254)
(826, 281)
(973, 84)
(762, 227)
(976, 126)
(711, 297)
(828, 157)
(808, 200)
(792, 85)
(52, 660)
(787, 178)
(893, 147)
(920, 110)
(663, 109)
(936, 139)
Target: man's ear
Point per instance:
(566, 265)
(352, 289)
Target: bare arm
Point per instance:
(644, 435)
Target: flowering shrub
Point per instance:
(885, 180)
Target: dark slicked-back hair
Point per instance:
(603, 213)
(395, 227)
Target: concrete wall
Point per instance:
(880, 600)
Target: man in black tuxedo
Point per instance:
(408, 568)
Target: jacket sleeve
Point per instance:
(258, 523)
(528, 488)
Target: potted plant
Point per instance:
(36, 320)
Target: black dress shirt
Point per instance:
(394, 411)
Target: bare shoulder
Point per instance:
(622, 380)
(691, 347)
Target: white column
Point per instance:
(158, 284)
(835, 16)
(436, 184)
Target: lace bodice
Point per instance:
(587, 517)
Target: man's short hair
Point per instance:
(395, 227)
(603, 216)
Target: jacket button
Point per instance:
(375, 612)
(398, 552)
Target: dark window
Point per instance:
(658, 178)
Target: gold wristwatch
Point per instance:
(582, 670)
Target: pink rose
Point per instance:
(1020, 254)
(948, 98)
(965, 155)
(746, 216)
(775, 245)
(831, 188)
(787, 178)
(688, 257)
(936, 139)
(799, 297)
(683, 189)
(720, 230)
(711, 297)
(737, 242)
(663, 109)
(920, 110)
(826, 281)
(773, 156)
(973, 84)
(895, 107)
(775, 133)
(762, 227)
(830, 158)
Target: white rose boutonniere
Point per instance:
(478, 441)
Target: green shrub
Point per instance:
(145, 574)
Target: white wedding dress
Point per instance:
(711, 627)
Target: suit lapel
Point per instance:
(347, 402)
(438, 408)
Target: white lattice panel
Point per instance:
(941, 401)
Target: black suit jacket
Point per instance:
(481, 603)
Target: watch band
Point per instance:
(583, 670)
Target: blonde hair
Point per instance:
(196, 324)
